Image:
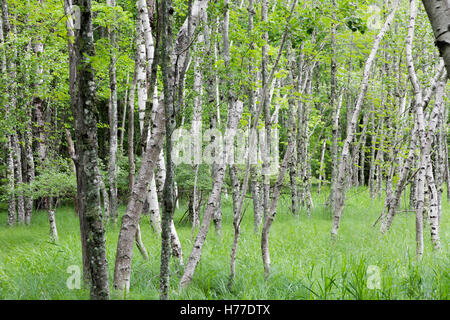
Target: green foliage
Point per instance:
(185, 177)
(54, 179)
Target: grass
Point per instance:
(305, 264)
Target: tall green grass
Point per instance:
(305, 263)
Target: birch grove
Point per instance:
(153, 120)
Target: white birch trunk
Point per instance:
(113, 130)
(340, 192)
(52, 223)
(18, 178)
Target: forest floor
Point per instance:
(305, 263)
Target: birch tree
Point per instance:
(340, 192)
(438, 14)
(112, 112)
(135, 205)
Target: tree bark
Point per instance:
(446, 154)
(124, 114)
(52, 222)
(196, 252)
(293, 162)
(265, 84)
(255, 187)
(8, 68)
(196, 133)
(85, 124)
(130, 107)
(322, 174)
(336, 110)
(439, 15)
(112, 113)
(30, 172)
(212, 94)
(18, 178)
(12, 213)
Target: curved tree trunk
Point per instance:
(135, 205)
(439, 15)
(340, 184)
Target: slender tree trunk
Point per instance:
(195, 218)
(141, 72)
(130, 107)
(42, 147)
(8, 68)
(340, 186)
(135, 205)
(18, 178)
(373, 138)
(196, 252)
(255, 187)
(269, 218)
(112, 112)
(132, 170)
(155, 217)
(234, 112)
(434, 208)
(124, 114)
(195, 256)
(160, 174)
(267, 116)
(30, 172)
(445, 153)
(196, 133)
(147, 11)
(359, 153)
(307, 161)
(293, 160)
(157, 192)
(73, 157)
(379, 160)
(322, 174)
(175, 244)
(214, 120)
(52, 221)
(439, 172)
(12, 213)
(168, 66)
(336, 111)
(140, 244)
(393, 203)
(413, 188)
